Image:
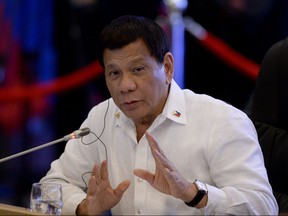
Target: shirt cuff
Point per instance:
(70, 205)
(215, 196)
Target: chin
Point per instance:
(133, 115)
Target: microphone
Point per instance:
(75, 135)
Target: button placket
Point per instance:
(140, 186)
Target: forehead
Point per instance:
(134, 50)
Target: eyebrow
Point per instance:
(133, 61)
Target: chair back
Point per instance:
(269, 113)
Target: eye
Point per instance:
(113, 74)
(138, 69)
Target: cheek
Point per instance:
(112, 89)
(110, 85)
(160, 81)
(160, 76)
(155, 91)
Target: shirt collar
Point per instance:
(175, 105)
(174, 108)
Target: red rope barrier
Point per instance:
(230, 57)
(222, 50)
(76, 78)
(81, 76)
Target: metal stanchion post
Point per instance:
(175, 9)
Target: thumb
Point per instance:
(121, 188)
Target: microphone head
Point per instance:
(82, 132)
(77, 134)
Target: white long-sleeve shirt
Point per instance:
(205, 138)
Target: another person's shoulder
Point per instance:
(278, 47)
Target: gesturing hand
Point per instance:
(100, 195)
(166, 178)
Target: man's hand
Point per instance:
(166, 178)
(100, 195)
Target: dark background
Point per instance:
(55, 38)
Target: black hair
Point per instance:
(127, 29)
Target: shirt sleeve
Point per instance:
(72, 170)
(237, 168)
(72, 195)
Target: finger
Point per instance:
(153, 142)
(161, 159)
(91, 186)
(162, 163)
(92, 183)
(95, 170)
(144, 174)
(104, 170)
(101, 172)
(157, 153)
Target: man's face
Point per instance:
(137, 83)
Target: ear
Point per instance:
(168, 64)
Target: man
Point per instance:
(151, 141)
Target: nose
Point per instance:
(127, 83)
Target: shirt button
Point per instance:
(139, 211)
(140, 179)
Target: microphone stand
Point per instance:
(75, 135)
(31, 150)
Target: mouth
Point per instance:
(130, 105)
